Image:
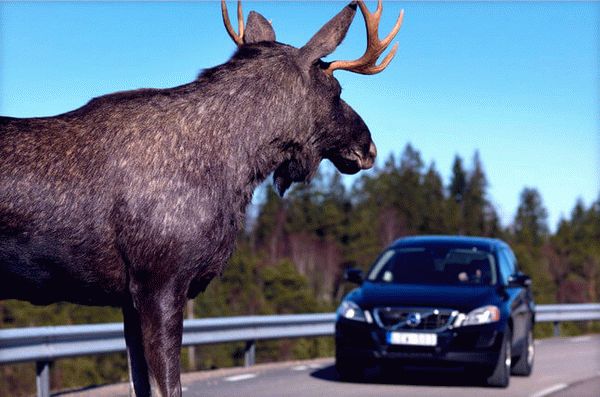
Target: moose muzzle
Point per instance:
(369, 160)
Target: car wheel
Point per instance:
(500, 376)
(349, 370)
(524, 364)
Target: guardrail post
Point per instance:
(250, 353)
(42, 380)
(556, 328)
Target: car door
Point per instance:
(519, 296)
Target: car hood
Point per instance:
(463, 298)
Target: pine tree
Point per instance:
(456, 192)
(474, 200)
(530, 224)
(458, 181)
(434, 215)
(409, 195)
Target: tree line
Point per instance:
(291, 256)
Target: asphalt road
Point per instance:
(564, 367)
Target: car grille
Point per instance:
(393, 319)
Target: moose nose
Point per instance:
(370, 160)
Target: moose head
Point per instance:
(333, 130)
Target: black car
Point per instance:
(439, 300)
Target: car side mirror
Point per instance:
(519, 280)
(354, 275)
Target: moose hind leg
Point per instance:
(161, 319)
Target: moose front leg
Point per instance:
(139, 382)
(160, 318)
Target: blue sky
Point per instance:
(518, 81)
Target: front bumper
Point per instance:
(366, 343)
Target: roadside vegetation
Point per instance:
(292, 254)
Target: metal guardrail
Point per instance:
(50, 343)
(46, 344)
(567, 312)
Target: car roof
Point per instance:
(483, 243)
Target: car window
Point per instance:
(507, 267)
(383, 259)
(435, 265)
(511, 255)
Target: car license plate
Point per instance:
(411, 338)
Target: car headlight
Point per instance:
(352, 311)
(481, 315)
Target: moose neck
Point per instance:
(258, 119)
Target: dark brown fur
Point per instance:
(134, 199)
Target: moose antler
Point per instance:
(237, 38)
(366, 64)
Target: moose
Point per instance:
(134, 199)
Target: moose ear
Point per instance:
(329, 36)
(258, 29)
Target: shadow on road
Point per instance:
(405, 376)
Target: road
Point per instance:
(564, 367)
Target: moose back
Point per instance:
(134, 200)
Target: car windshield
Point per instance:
(435, 265)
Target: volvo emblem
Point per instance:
(413, 319)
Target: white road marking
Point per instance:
(550, 390)
(299, 368)
(580, 339)
(315, 366)
(237, 378)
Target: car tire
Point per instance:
(524, 364)
(500, 375)
(349, 370)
